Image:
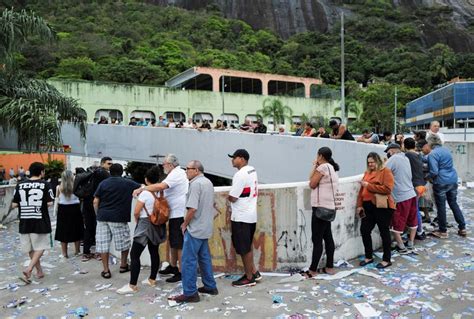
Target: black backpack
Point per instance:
(84, 185)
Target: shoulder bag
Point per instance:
(381, 200)
(323, 213)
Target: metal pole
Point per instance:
(465, 129)
(343, 102)
(395, 114)
(222, 93)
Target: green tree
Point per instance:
(33, 108)
(378, 104)
(275, 109)
(77, 68)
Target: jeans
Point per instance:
(90, 225)
(196, 251)
(135, 265)
(321, 230)
(441, 194)
(381, 217)
(419, 230)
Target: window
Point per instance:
(296, 119)
(176, 116)
(201, 117)
(109, 115)
(143, 115)
(231, 118)
(253, 117)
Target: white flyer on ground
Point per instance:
(366, 310)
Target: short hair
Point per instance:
(366, 130)
(421, 134)
(387, 133)
(116, 169)
(409, 143)
(309, 124)
(36, 168)
(105, 159)
(171, 159)
(197, 164)
(377, 159)
(333, 122)
(153, 174)
(434, 122)
(433, 140)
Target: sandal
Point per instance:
(462, 232)
(306, 274)
(106, 274)
(124, 269)
(366, 262)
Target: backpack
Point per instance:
(84, 185)
(161, 210)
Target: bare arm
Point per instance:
(96, 204)
(158, 187)
(315, 179)
(232, 199)
(15, 205)
(340, 132)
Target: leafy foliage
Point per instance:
(275, 109)
(54, 168)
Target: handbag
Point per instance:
(323, 213)
(381, 200)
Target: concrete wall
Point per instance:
(463, 157)
(283, 235)
(6, 196)
(277, 158)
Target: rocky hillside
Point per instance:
(440, 21)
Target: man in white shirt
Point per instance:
(243, 201)
(175, 187)
(434, 130)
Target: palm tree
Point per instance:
(351, 107)
(31, 107)
(275, 109)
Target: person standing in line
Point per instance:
(323, 182)
(33, 197)
(405, 196)
(377, 180)
(418, 180)
(445, 186)
(11, 173)
(88, 213)
(112, 204)
(197, 229)
(175, 188)
(146, 234)
(243, 202)
(69, 225)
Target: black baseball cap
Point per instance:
(240, 153)
(392, 145)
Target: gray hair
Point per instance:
(197, 164)
(171, 159)
(67, 183)
(434, 140)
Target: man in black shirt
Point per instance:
(33, 197)
(260, 128)
(112, 204)
(340, 131)
(90, 222)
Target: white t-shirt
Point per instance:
(440, 135)
(245, 189)
(176, 193)
(148, 200)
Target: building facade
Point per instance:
(447, 105)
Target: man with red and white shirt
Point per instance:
(243, 201)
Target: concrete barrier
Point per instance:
(6, 196)
(463, 157)
(283, 235)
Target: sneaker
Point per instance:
(422, 236)
(439, 234)
(244, 282)
(257, 276)
(169, 270)
(127, 289)
(402, 251)
(176, 277)
(183, 298)
(208, 291)
(149, 282)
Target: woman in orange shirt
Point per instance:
(308, 130)
(377, 180)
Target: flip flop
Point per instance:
(25, 280)
(124, 269)
(106, 274)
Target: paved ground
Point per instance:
(437, 283)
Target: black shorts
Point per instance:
(242, 236)
(175, 234)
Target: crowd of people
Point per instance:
(95, 207)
